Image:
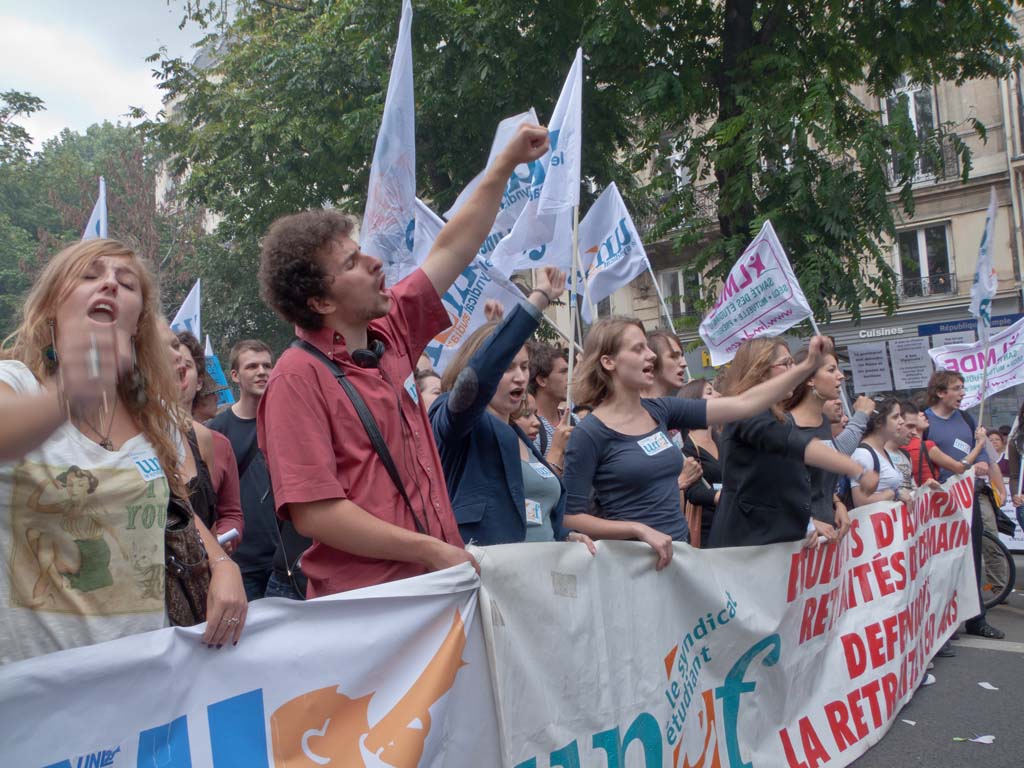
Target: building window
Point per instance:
(604, 307)
(923, 262)
(681, 290)
(918, 102)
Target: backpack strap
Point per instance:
(369, 424)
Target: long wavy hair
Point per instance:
(29, 341)
(752, 366)
(593, 383)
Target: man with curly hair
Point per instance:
(327, 477)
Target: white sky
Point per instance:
(86, 58)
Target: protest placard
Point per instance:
(1003, 358)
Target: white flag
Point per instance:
(97, 226)
(985, 281)
(389, 218)
(428, 227)
(187, 317)
(760, 297)
(542, 235)
(611, 251)
(517, 190)
(999, 363)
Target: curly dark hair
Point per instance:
(290, 269)
(195, 349)
(542, 362)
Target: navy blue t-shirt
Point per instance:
(633, 477)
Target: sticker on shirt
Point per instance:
(677, 439)
(147, 464)
(541, 470)
(960, 445)
(410, 387)
(534, 513)
(654, 444)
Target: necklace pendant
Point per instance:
(106, 445)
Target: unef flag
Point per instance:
(542, 235)
(216, 374)
(760, 297)
(611, 251)
(187, 317)
(97, 226)
(389, 219)
(985, 280)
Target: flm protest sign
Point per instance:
(611, 251)
(566, 660)
(760, 297)
(187, 316)
(998, 365)
(389, 218)
(97, 224)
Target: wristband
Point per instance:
(217, 560)
(544, 293)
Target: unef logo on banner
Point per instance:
(317, 728)
(460, 301)
(617, 246)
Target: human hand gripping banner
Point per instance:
(754, 657)
(760, 297)
(377, 677)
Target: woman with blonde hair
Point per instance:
(622, 455)
(85, 383)
(766, 493)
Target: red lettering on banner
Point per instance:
(881, 524)
(838, 717)
(856, 543)
(814, 751)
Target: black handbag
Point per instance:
(187, 567)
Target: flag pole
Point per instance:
(984, 384)
(572, 303)
(842, 388)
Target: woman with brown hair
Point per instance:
(622, 455)
(806, 408)
(766, 493)
(84, 383)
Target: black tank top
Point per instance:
(200, 488)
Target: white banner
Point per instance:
(389, 218)
(1003, 357)
(611, 251)
(187, 316)
(986, 281)
(911, 365)
(870, 368)
(464, 302)
(770, 656)
(394, 675)
(760, 297)
(542, 234)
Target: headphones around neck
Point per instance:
(369, 357)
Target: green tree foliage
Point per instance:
(280, 112)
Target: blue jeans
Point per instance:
(255, 583)
(282, 587)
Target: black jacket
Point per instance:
(766, 494)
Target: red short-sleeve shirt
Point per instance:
(922, 474)
(316, 447)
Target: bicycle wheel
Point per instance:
(999, 572)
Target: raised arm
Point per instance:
(723, 410)
(846, 442)
(460, 239)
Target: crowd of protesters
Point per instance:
(349, 462)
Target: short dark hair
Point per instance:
(661, 341)
(195, 349)
(939, 382)
(290, 270)
(909, 407)
(542, 362)
(247, 345)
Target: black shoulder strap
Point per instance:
(369, 424)
(543, 435)
(969, 420)
(874, 456)
(250, 454)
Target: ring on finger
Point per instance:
(233, 620)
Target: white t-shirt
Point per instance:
(81, 540)
(889, 476)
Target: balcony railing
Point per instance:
(927, 169)
(933, 285)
